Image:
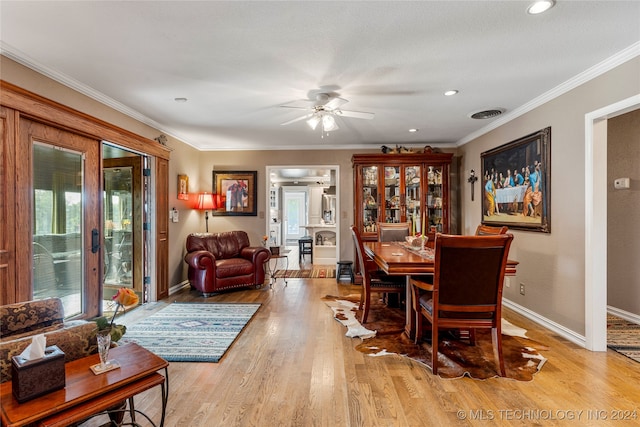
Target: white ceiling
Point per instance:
(237, 61)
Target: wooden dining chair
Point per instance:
(393, 231)
(373, 280)
(466, 291)
(488, 230)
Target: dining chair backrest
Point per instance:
(467, 290)
(393, 231)
(469, 272)
(487, 230)
(373, 280)
(362, 262)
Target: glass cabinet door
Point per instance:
(370, 198)
(392, 211)
(413, 212)
(434, 207)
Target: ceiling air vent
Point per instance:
(487, 114)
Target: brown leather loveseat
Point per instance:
(221, 261)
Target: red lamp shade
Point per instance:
(205, 202)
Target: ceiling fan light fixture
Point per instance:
(314, 121)
(329, 123)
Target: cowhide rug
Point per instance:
(384, 335)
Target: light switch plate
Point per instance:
(621, 183)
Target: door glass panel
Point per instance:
(294, 215)
(117, 226)
(57, 223)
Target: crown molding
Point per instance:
(23, 59)
(591, 73)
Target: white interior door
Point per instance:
(294, 210)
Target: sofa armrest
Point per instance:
(258, 255)
(200, 260)
(77, 339)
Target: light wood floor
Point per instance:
(293, 366)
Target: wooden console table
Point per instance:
(86, 394)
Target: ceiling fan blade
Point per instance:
(299, 104)
(306, 116)
(335, 103)
(354, 114)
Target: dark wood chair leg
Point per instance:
(365, 303)
(435, 341)
(418, 337)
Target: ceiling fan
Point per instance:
(323, 111)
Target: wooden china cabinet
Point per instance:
(397, 188)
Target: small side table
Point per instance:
(281, 257)
(344, 268)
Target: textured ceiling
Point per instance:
(237, 61)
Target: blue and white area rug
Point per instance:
(192, 332)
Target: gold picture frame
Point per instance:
(235, 193)
(525, 202)
(183, 187)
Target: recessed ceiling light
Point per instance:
(540, 6)
(180, 99)
(450, 92)
(413, 130)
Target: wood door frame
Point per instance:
(23, 103)
(30, 132)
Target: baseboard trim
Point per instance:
(546, 323)
(178, 287)
(630, 317)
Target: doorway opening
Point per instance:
(124, 217)
(303, 203)
(596, 221)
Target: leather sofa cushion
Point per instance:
(233, 267)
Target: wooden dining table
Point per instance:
(397, 259)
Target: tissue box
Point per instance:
(33, 378)
(275, 250)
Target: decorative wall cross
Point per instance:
(472, 180)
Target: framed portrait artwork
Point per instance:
(235, 193)
(183, 187)
(516, 183)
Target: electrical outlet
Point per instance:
(521, 288)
